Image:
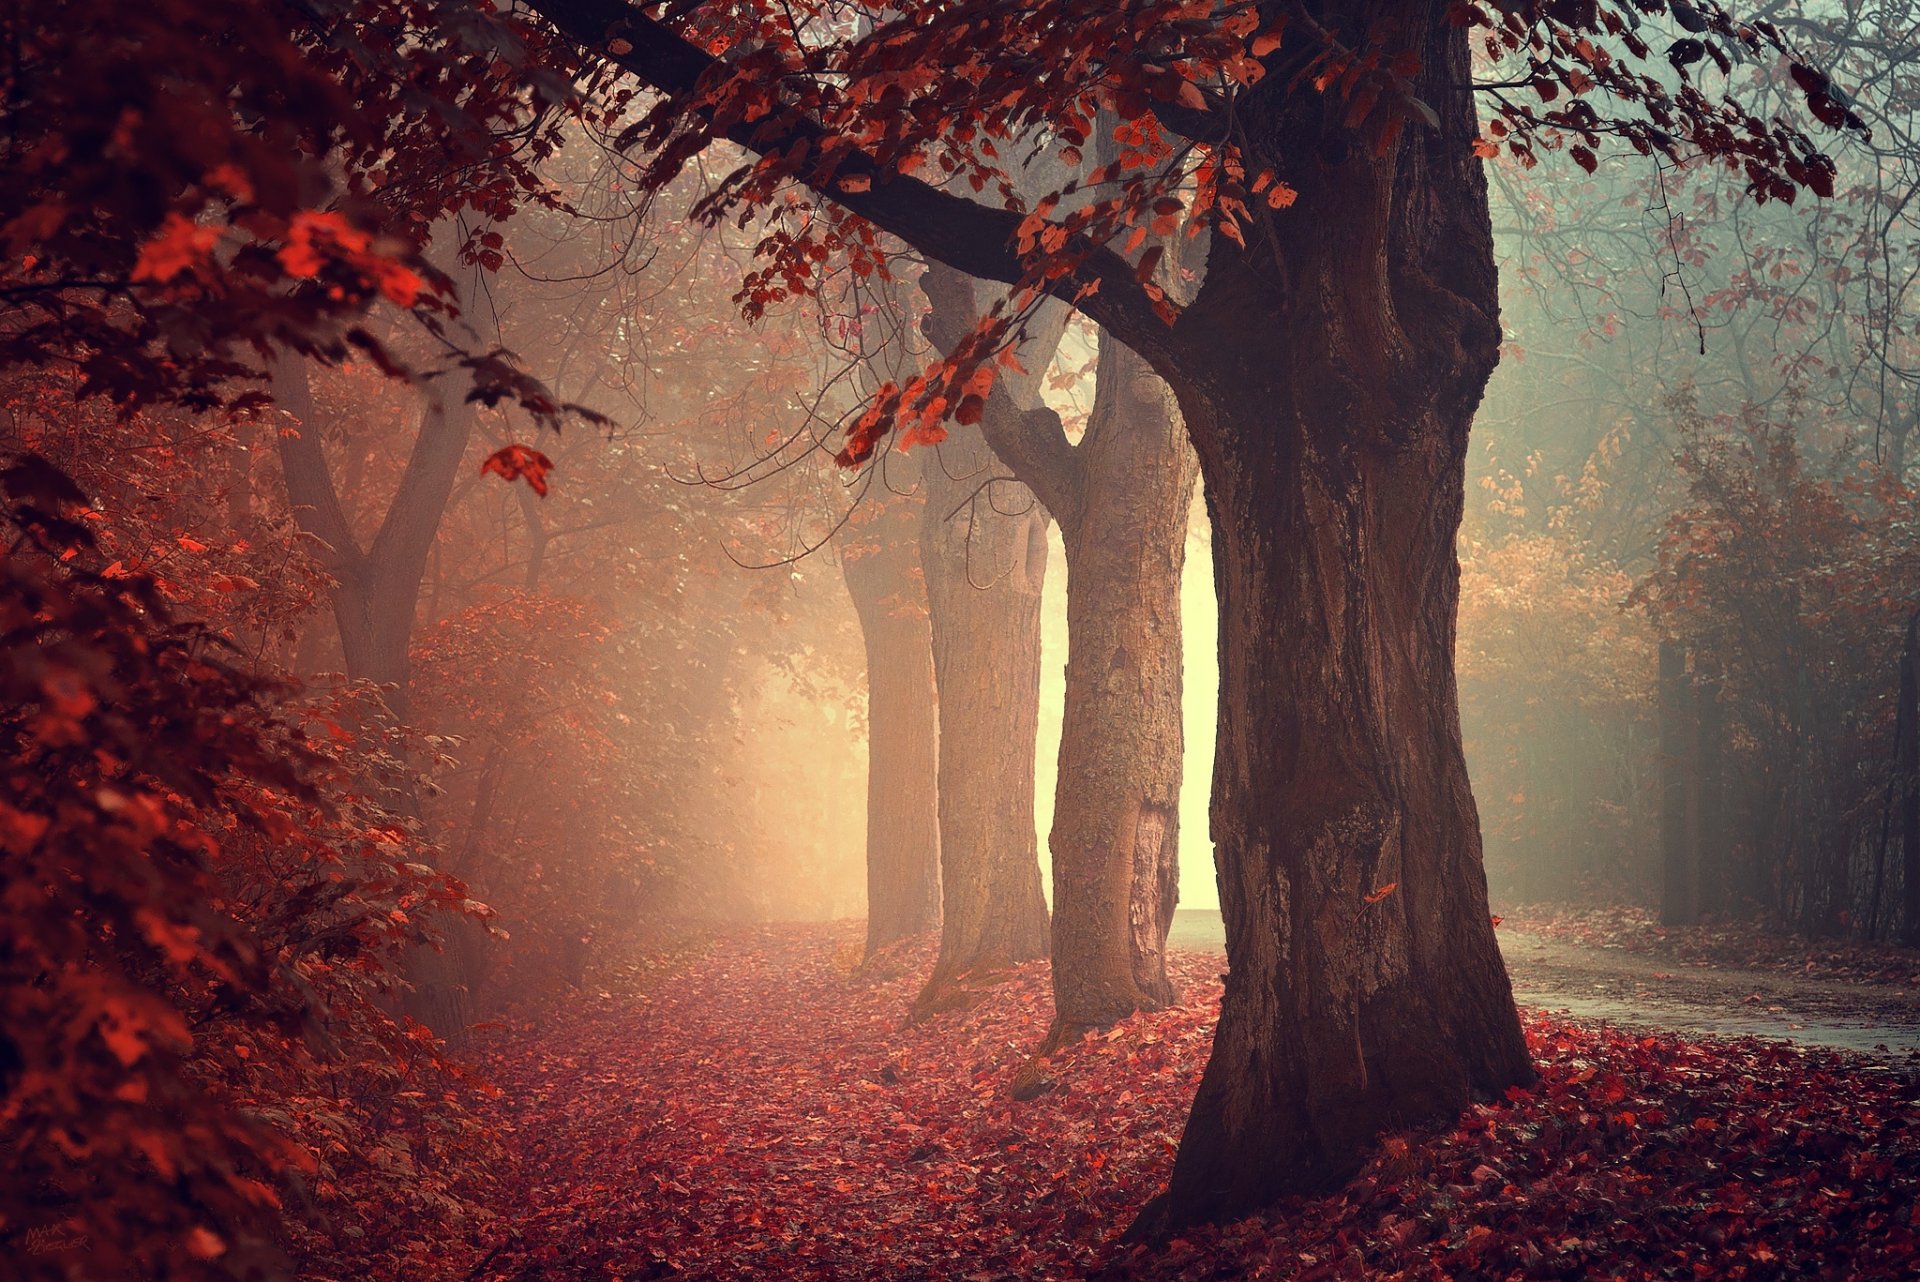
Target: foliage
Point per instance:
(1555, 709)
(260, 175)
(877, 117)
(202, 918)
(1790, 577)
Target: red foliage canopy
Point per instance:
(897, 119)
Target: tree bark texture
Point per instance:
(881, 564)
(1122, 497)
(1329, 375)
(983, 551)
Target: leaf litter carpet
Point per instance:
(759, 1110)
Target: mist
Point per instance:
(959, 640)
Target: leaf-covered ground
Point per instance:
(1729, 944)
(760, 1112)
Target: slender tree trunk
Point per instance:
(1116, 827)
(375, 598)
(1711, 896)
(1676, 851)
(1907, 766)
(983, 551)
(882, 571)
(1329, 374)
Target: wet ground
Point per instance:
(1635, 990)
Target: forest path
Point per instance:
(1643, 991)
(759, 1110)
(754, 1110)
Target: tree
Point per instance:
(880, 561)
(376, 591)
(376, 588)
(879, 553)
(983, 551)
(1327, 369)
(1121, 496)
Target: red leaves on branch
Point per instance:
(955, 95)
(204, 916)
(191, 189)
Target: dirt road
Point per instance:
(1641, 991)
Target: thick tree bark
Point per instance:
(1116, 828)
(1329, 376)
(881, 565)
(983, 551)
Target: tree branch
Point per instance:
(974, 238)
(303, 463)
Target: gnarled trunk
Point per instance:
(1329, 376)
(881, 569)
(1116, 827)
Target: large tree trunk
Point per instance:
(984, 569)
(1115, 838)
(1329, 376)
(881, 565)
(983, 551)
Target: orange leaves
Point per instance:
(973, 395)
(1279, 194)
(320, 239)
(20, 830)
(1381, 892)
(181, 246)
(520, 462)
(204, 1244)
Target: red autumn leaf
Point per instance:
(180, 246)
(520, 462)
